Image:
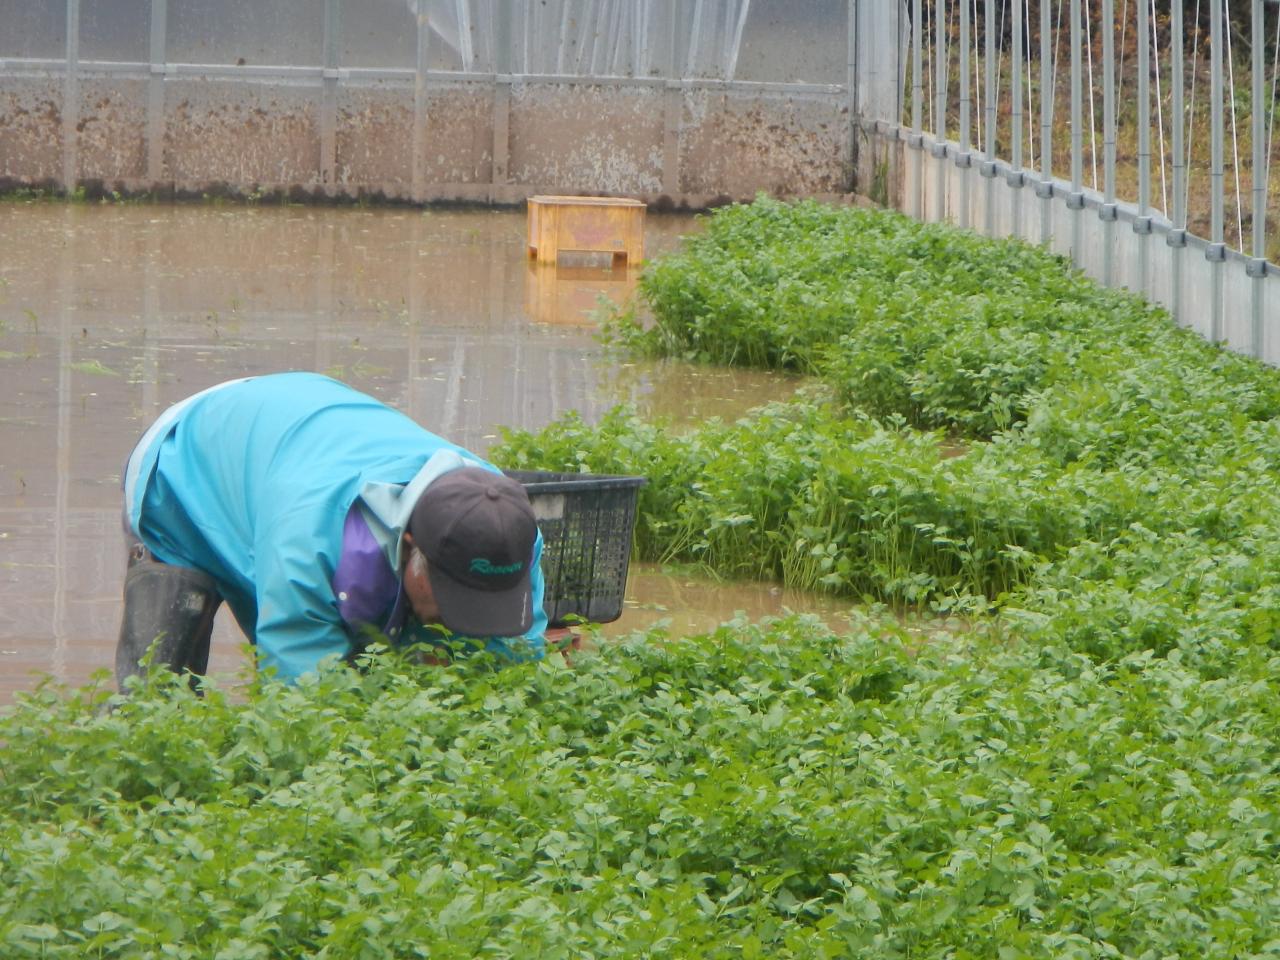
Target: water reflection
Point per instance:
(688, 395)
(573, 293)
(684, 603)
(110, 313)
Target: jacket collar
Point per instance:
(387, 506)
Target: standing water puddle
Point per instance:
(109, 313)
(684, 604)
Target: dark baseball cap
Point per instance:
(477, 530)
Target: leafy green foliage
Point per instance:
(922, 321)
(766, 790)
(797, 493)
(1089, 773)
(994, 432)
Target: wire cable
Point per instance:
(1004, 6)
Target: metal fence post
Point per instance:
(501, 30)
(1258, 265)
(989, 73)
(917, 66)
(501, 137)
(155, 92)
(1016, 180)
(989, 145)
(851, 71)
(917, 109)
(1216, 251)
(939, 70)
(1142, 223)
(1075, 200)
(673, 104)
(329, 98)
(900, 47)
(420, 112)
(965, 92)
(852, 10)
(1177, 237)
(940, 59)
(71, 101)
(964, 158)
(1107, 212)
(1045, 189)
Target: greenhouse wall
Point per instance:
(682, 101)
(1159, 119)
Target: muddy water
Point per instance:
(110, 313)
(686, 603)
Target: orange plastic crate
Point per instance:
(613, 225)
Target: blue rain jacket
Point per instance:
(251, 481)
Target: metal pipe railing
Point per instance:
(1015, 89)
(1259, 163)
(1217, 170)
(1045, 189)
(1258, 266)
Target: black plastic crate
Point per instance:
(586, 521)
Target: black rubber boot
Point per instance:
(169, 606)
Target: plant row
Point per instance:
(762, 791)
(991, 429)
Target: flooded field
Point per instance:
(109, 313)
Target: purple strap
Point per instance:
(364, 583)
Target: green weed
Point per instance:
(93, 368)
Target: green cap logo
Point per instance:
(483, 566)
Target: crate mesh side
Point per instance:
(586, 553)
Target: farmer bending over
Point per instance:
(322, 517)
